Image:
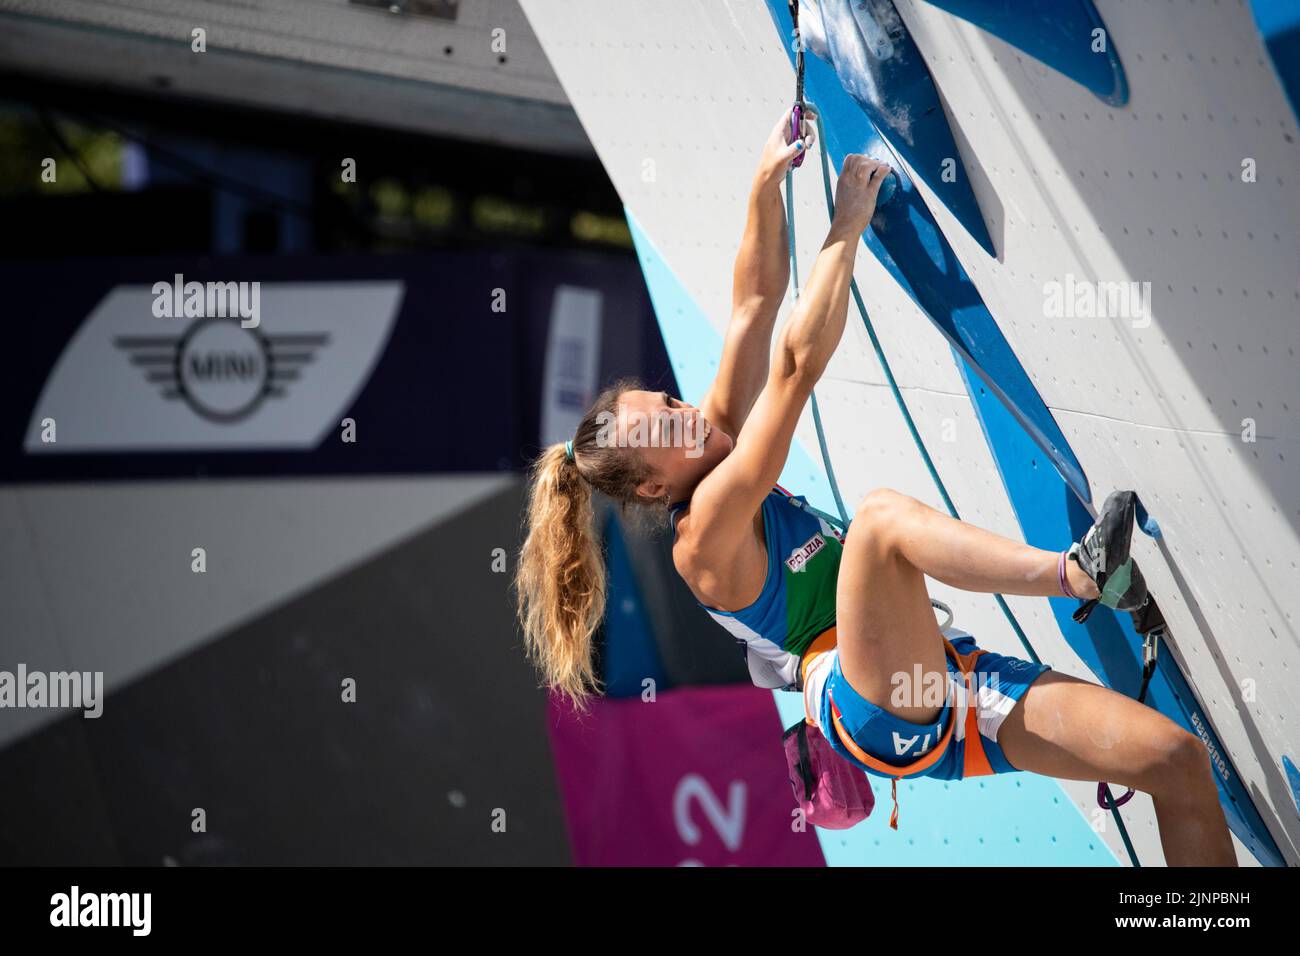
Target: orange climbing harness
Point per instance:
(975, 762)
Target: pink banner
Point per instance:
(696, 778)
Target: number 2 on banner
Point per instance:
(728, 821)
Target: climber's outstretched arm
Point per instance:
(759, 282)
(816, 326)
(725, 502)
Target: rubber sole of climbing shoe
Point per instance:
(1103, 554)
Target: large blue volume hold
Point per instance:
(1067, 35)
(880, 66)
(1279, 25)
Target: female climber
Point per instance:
(849, 623)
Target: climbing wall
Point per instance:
(677, 98)
(1194, 188)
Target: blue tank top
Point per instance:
(797, 602)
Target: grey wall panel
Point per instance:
(448, 727)
(102, 577)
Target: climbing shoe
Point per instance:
(1104, 556)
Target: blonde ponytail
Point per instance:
(560, 581)
(560, 576)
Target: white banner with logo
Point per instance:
(129, 380)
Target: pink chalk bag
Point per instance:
(832, 793)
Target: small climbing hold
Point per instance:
(1293, 778)
(887, 189)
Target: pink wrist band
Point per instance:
(1060, 573)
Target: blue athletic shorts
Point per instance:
(1000, 681)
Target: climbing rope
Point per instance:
(798, 112)
(843, 522)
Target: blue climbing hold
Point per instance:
(887, 189)
(1279, 25)
(1144, 521)
(1293, 778)
(876, 61)
(1067, 35)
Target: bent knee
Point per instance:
(878, 518)
(879, 504)
(1183, 761)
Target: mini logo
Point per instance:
(801, 556)
(220, 369)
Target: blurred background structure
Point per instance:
(444, 264)
(450, 221)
